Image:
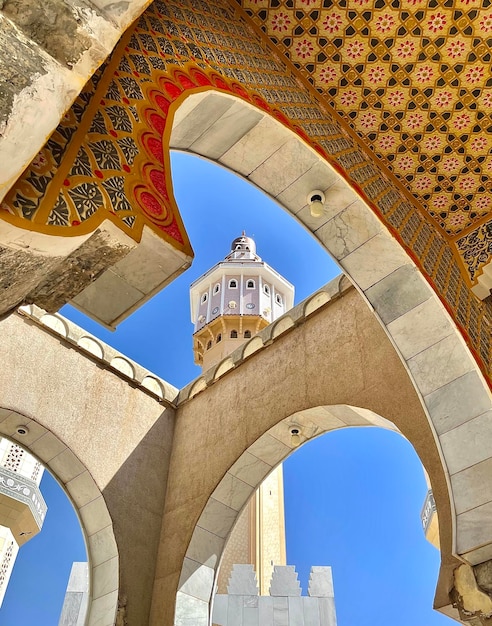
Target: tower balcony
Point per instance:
(22, 507)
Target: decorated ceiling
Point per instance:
(413, 79)
(375, 80)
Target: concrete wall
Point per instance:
(106, 437)
(323, 353)
(110, 433)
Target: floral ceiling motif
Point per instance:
(109, 158)
(413, 80)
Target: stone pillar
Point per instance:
(76, 597)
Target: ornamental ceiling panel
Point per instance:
(110, 153)
(412, 79)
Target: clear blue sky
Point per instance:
(353, 497)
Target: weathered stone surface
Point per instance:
(20, 272)
(483, 574)
(18, 63)
(474, 606)
(29, 277)
(52, 24)
(77, 271)
(122, 614)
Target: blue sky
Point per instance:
(353, 497)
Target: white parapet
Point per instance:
(284, 606)
(76, 596)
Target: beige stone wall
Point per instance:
(341, 355)
(270, 548)
(107, 441)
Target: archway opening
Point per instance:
(216, 206)
(353, 501)
(40, 570)
(171, 307)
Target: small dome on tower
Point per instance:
(243, 243)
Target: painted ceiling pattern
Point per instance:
(109, 151)
(413, 79)
(83, 174)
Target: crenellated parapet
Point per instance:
(285, 606)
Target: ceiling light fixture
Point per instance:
(316, 202)
(295, 438)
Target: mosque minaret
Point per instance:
(22, 507)
(230, 304)
(234, 300)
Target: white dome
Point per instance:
(243, 243)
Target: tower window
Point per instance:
(219, 338)
(216, 288)
(247, 334)
(266, 289)
(233, 284)
(278, 298)
(233, 334)
(204, 298)
(209, 344)
(250, 284)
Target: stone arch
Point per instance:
(89, 505)
(252, 143)
(203, 557)
(329, 350)
(119, 430)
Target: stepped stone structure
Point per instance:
(384, 113)
(283, 606)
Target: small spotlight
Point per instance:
(316, 202)
(22, 430)
(295, 438)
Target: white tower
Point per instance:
(234, 300)
(22, 507)
(229, 304)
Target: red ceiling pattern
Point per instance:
(413, 80)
